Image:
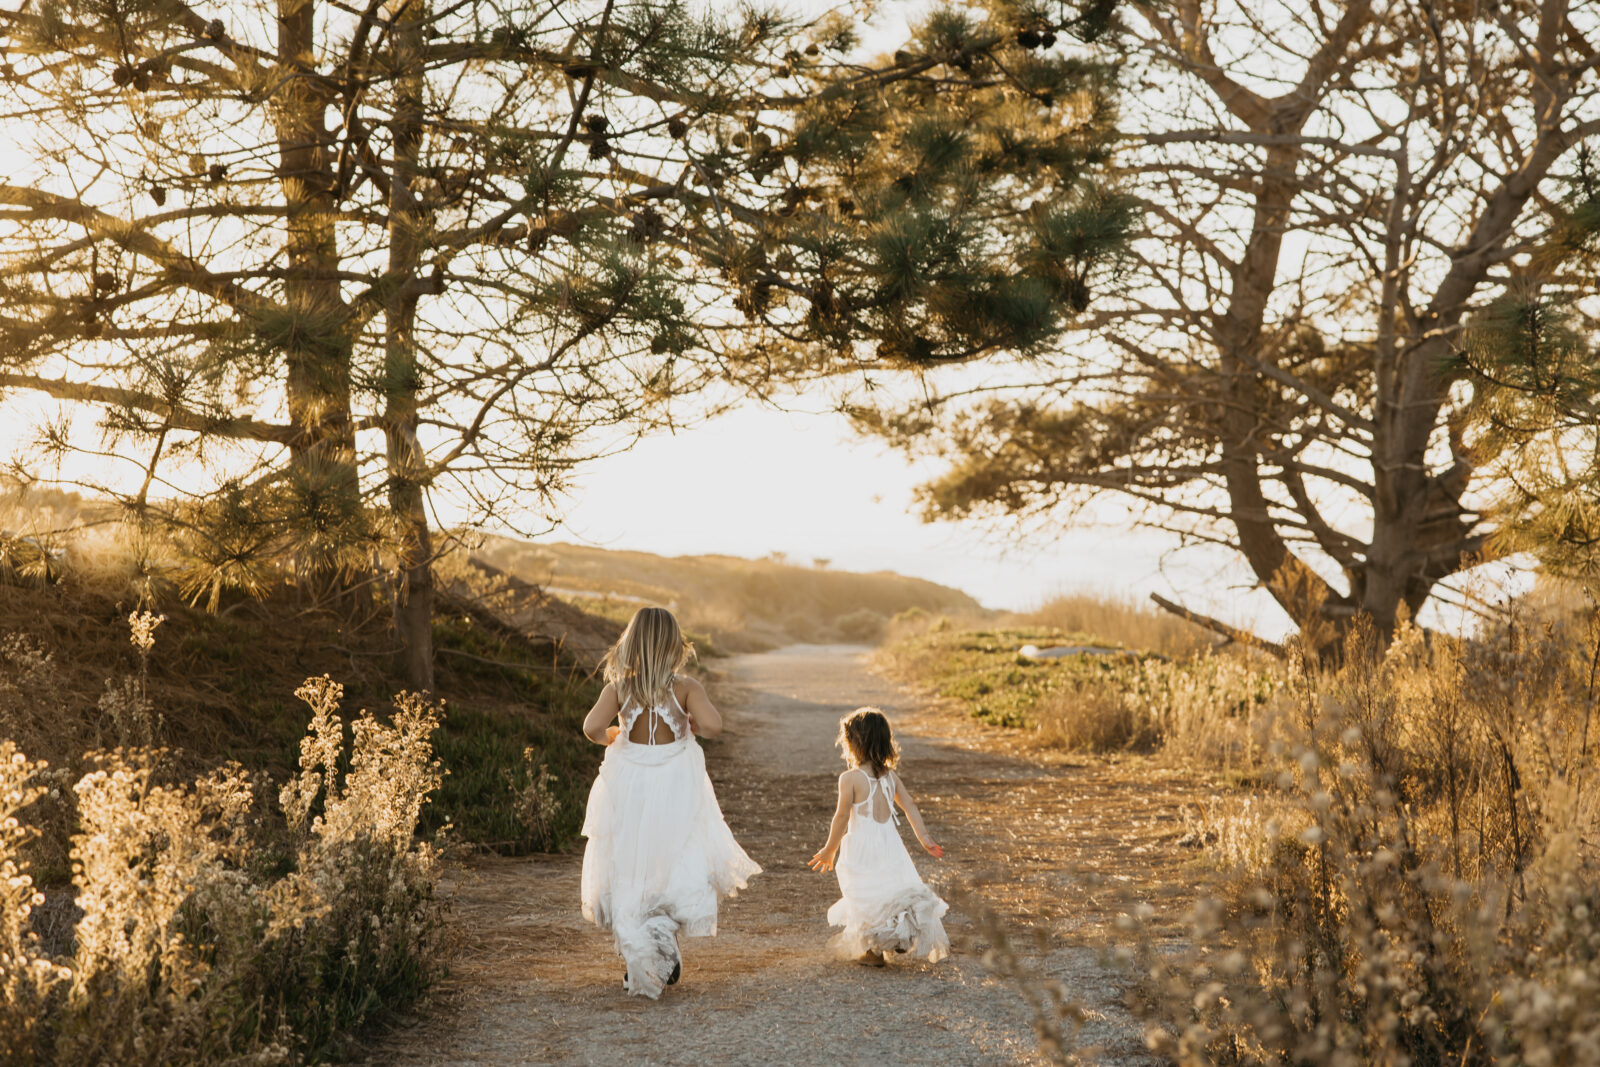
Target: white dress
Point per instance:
(659, 854)
(883, 906)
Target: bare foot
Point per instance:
(871, 958)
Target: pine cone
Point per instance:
(676, 128)
(1028, 39)
(122, 75)
(105, 280)
(1047, 39)
(594, 123)
(217, 172)
(215, 30)
(158, 193)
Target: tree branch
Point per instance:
(1232, 633)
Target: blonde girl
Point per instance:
(659, 854)
(883, 906)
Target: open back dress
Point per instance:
(659, 854)
(883, 904)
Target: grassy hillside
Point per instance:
(738, 604)
(221, 687)
(1161, 689)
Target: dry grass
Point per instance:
(1205, 710)
(205, 929)
(1122, 622)
(1422, 882)
(1414, 874)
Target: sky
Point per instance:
(760, 480)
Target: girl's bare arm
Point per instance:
(823, 860)
(902, 797)
(605, 709)
(702, 713)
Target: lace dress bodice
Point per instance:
(879, 803)
(668, 711)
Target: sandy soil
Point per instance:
(1057, 847)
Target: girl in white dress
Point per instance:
(659, 854)
(883, 906)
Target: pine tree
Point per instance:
(326, 263)
(1534, 362)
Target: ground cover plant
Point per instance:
(1198, 705)
(204, 863)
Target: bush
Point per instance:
(1207, 708)
(208, 932)
(863, 626)
(1428, 883)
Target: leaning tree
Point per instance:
(316, 262)
(1330, 192)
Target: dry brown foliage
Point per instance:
(1422, 881)
(204, 930)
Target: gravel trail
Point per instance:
(1045, 841)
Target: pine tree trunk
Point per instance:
(317, 346)
(414, 591)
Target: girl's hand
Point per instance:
(823, 860)
(612, 732)
(934, 850)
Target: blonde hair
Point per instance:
(643, 662)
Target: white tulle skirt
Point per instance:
(884, 905)
(659, 856)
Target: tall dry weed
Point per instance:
(198, 940)
(1208, 709)
(28, 977)
(1123, 621)
(1429, 874)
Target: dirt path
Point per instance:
(1044, 840)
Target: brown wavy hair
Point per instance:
(865, 739)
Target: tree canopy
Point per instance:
(342, 258)
(1334, 195)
